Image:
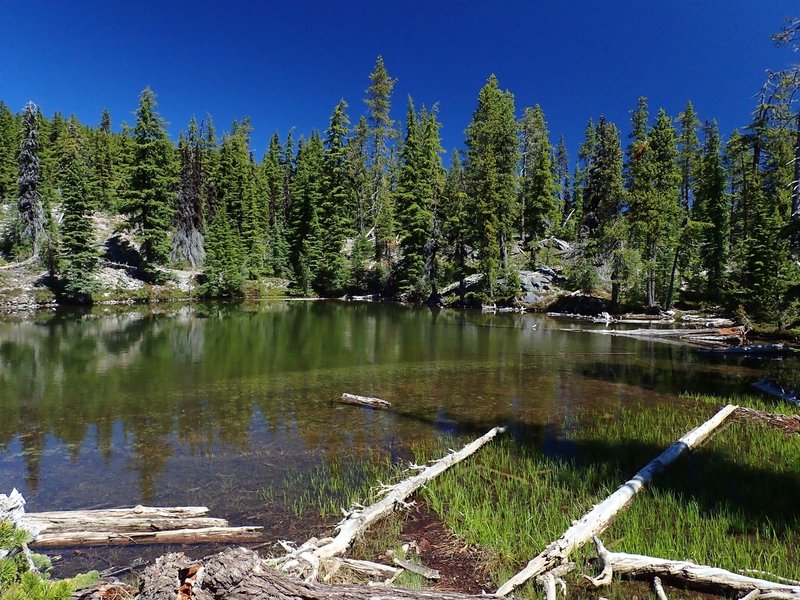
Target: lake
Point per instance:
(212, 404)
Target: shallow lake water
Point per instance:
(211, 404)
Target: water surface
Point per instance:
(209, 404)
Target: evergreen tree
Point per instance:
(540, 206)
(104, 163)
(187, 239)
(711, 207)
(29, 203)
(493, 154)
(335, 205)
(420, 183)
(358, 173)
(688, 154)
(223, 265)
(10, 138)
(381, 134)
(78, 252)
(306, 240)
(238, 189)
(654, 186)
(456, 219)
(273, 174)
(149, 198)
(603, 189)
(563, 180)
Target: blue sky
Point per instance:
(286, 64)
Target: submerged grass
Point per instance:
(735, 503)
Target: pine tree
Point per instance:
(711, 207)
(603, 190)
(29, 203)
(223, 265)
(689, 152)
(563, 180)
(306, 237)
(493, 154)
(104, 163)
(187, 239)
(381, 134)
(336, 204)
(149, 197)
(419, 187)
(78, 251)
(10, 138)
(456, 219)
(540, 206)
(358, 173)
(654, 186)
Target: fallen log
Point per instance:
(203, 535)
(240, 574)
(367, 401)
(600, 517)
(137, 525)
(751, 350)
(309, 557)
(687, 573)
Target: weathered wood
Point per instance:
(408, 565)
(600, 517)
(239, 574)
(367, 401)
(307, 558)
(121, 525)
(204, 535)
(687, 573)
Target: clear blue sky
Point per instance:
(287, 63)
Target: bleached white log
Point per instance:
(659, 589)
(601, 516)
(306, 560)
(688, 573)
(367, 401)
(74, 539)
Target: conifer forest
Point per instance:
(658, 212)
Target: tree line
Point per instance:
(674, 213)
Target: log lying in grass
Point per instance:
(239, 574)
(138, 525)
(687, 574)
(309, 558)
(367, 401)
(600, 517)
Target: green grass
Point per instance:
(732, 504)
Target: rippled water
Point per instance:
(208, 404)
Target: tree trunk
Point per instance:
(600, 517)
(367, 401)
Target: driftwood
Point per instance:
(714, 337)
(137, 525)
(687, 573)
(308, 559)
(367, 401)
(600, 517)
(408, 565)
(788, 423)
(239, 574)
